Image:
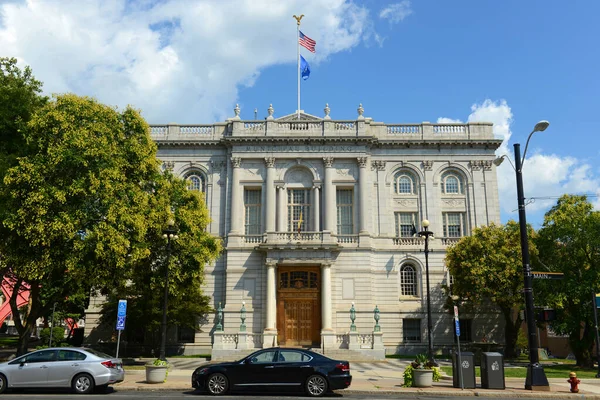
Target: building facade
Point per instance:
(317, 219)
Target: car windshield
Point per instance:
(99, 353)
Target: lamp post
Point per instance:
(536, 378)
(170, 233)
(52, 325)
(426, 234)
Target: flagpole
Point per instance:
(298, 58)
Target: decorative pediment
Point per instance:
(294, 117)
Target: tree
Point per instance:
(487, 269)
(190, 252)
(569, 242)
(74, 206)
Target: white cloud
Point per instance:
(177, 60)
(545, 176)
(444, 120)
(396, 12)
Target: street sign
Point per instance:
(457, 327)
(120, 323)
(122, 309)
(547, 275)
(597, 300)
(455, 312)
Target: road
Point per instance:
(148, 395)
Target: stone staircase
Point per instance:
(336, 354)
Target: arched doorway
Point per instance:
(298, 306)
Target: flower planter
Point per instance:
(156, 373)
(422, 377)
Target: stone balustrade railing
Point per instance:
(326, 237)
(341, 128)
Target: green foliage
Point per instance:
(487, 269)
(421, 362)
(569, 242)
(522, 342)
(58, 336)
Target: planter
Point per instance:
(422, 377)
(156, 373)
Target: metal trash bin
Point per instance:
(467, 366)
(492, 371)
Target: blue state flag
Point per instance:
(304, 68)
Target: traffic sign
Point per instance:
(120, 323)
(122, 309)
(457, 327)
(455, 312)
(547, 275)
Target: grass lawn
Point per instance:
(8, 341)
(552, 371)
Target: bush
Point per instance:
(58, 336)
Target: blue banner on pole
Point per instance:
(457, 327)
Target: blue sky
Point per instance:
(508, 62)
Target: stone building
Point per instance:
(317, 217)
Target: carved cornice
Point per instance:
(427, 165)
(378, 165)
(168, 165)
(476, 165)
(236, 162)
(487, 165)
(362, 162)
(328, 161)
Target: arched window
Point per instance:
(196, 181)
(408, 280)
(452, 183)
(404, 182)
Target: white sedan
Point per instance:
(80, 369)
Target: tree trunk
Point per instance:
(582, 344)
(35, 308)
(511, 333)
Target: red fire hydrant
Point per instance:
(574, 382)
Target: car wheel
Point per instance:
(82, 384)
(3, 383)
(217, 384)
(316, 385)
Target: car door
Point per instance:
(258, 370)
(291, 368)
(65, 367)
(32, 369)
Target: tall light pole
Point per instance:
(426, 234)
(536, 377)
(170, 233)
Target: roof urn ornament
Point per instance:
(236, 110)
(270, 110)
(327, 111)
(361, 111)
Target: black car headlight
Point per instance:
(201, 371)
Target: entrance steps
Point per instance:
(336, 354)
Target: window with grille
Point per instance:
(252, 208)
(453, 224)
(404, 183)
(298, 210)
(345, 211)
(452, 183)
(298, 280)
(405, 224)
(196, 181)
(408, 280)
(411, 330)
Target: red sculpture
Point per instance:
(7, 286)
(574, 382)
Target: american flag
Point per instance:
(306, 42)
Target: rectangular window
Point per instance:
(405, 223)
(298, 210)
(345, 211)
(466, 328)
(411, 330)
(454, 224)
(253, 211)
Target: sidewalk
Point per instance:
(379, 377)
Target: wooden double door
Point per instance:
(299, 306)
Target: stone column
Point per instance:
(317, 209)
(363, 191)
(236, 197)
(327, 332)
(270, 332)
(270, 195)
(281, 210)
(329, 206)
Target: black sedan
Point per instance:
(275, 369)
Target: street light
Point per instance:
(170, 233)
(426, 234)
(536, 378)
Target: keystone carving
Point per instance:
(427, 165)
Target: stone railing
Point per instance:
(333, 128)
(237, 341)
(448, 241)
(295, 237)
(408, 241)
(254, 238)
(347, 239)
